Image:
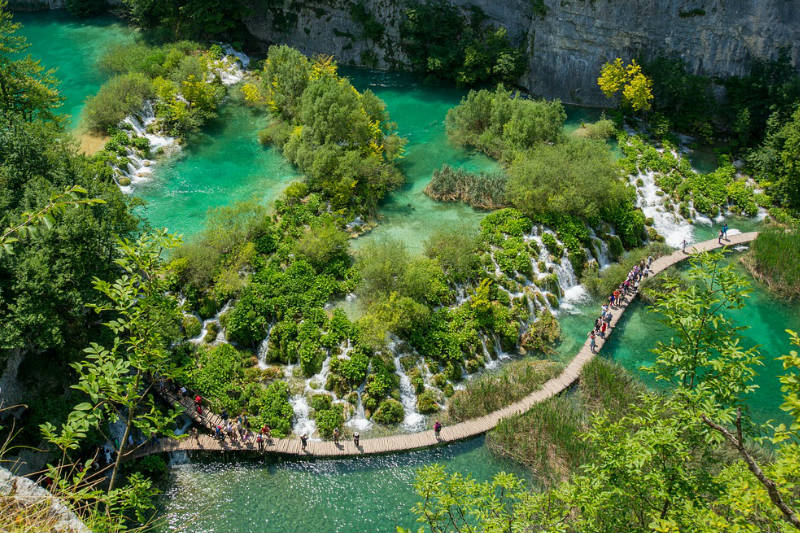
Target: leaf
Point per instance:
(85, 406)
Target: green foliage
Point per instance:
(145, 322)
(27, 89)
(202, 19)
(330, 419)
(541, 334)
(774, 163)
(120, 96)
(325, 246)
(426, 403)
(775, 258)
(217, 375)
(577, 177)
(270, 405)
(601, 130)
(500, 124)
(390, 413)
(85, 8)
(442, 43)
(455, 249)
(484, 191)
(341, 139)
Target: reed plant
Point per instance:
(774, 258)
(495, 390)
(483, 191)
(547, 438)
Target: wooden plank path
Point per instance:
(424, 439)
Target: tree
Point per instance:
(117, 380)
(637, 89)
(26, 87)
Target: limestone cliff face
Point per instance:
(568, 43)
(565, 46)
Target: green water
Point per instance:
(373, 494)
(222, 165)
(767, 319)
(72, 46)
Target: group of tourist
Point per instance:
(628, 287)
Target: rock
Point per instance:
(58, 518)
(566, 47)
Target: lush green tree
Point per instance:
(119, 97)
(443, 43)
(177, 19)
(577, 177)
(775, 162)
(117, 380)
(500, 124)
(27, 89)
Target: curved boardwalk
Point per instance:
(412, 441)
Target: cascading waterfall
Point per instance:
(263, 349)
(672, 226)
(303, 423)
(138, 169)
(213, 320)
(413, 420)
(359, 420)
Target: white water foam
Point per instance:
(672, 226)
(413, 420)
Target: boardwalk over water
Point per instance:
(424, 439)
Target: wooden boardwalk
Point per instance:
(412, 441)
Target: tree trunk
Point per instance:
(119, 454)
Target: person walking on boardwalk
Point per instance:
(683, 246)
(725, 231)
(260, 441)
(719, 237)
(592, 341)
(267, 434)
(195, 435)
(437, 429)
(336, 436)
(304, 440)
(356, 438)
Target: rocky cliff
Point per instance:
(566, 41)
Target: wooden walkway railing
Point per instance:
(412, 441)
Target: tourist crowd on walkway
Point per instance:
(626, 289)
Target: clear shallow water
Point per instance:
(369, 494)
(767, 319)
(220, 166)
(72, 46)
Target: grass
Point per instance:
(547, 438)
(774, 258)
(494, 391)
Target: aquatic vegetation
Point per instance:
(484, 191)
(774, 258)
(495, 390)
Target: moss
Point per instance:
(191, 326)
(390, 412)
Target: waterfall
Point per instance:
(180, 457)
(413, 420)
(303, 424)
(601, 248)
(359, 420)
(213, 320)
(263, 349)
(490, 363)
(672, 226)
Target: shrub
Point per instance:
(320, 402)
(390, 412)
(330, 419)
(495, 390)
(426, 403)
(191, 326)
(121, 96)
